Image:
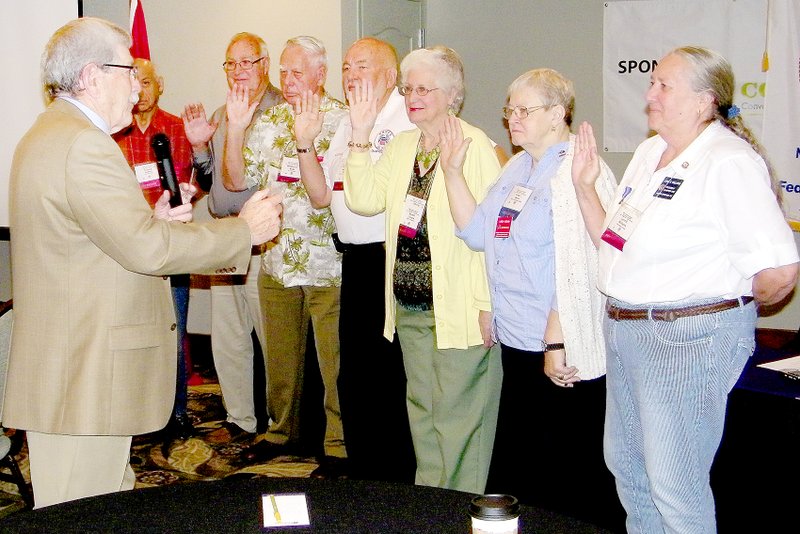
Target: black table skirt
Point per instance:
(235, 506)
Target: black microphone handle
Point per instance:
(166, 170)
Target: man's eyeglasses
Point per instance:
(133, 71)
(521, 111)
(245, 64)
(406, 90)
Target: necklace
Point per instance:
(426, 158)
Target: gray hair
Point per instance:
(552, 86)
(254, 40)
(79, 43)
(445, 63)
(711, 73)
(313, 46)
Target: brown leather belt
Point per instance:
(671, 314)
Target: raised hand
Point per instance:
(585, 163)
(238, 107)
(307, 119)
(197, 127)
(363, 109)
(453, 147)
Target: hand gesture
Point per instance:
(262, 212)
(198, 129)
(363, 109)
(453, 147)
(307, 119)
(238, 107)
(585, 163)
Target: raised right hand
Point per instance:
(585, 163)
(363, 109)
(307, 119)
(238, 107)
(262, 212)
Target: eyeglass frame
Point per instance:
(239, 63)
(509, 112)
(133, 70)
(420, 90)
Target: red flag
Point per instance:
(140, 47)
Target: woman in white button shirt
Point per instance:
(695, 236)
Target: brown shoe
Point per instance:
(331, 468)
(263, 451)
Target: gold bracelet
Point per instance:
(364, 146)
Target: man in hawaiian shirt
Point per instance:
(300, 271)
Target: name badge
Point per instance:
(621, 226)
(512, 207)
(147, 175)
(413, 210)
(668, 188)
(290, 170)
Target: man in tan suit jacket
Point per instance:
(93, 348)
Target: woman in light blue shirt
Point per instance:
(547, 313)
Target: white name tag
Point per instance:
(621, 226)
(517, 198)
(290, 170)
(412, 215)
(147, 175)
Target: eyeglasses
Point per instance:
(521, 111)
(246, 64)
(406, 90)
(133, 71)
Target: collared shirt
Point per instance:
(96, 119)
(721, 227)
(351, 227)
(135, 145)
(304, 253)
(520, 267)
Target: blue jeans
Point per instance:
(668, 385)
(180, 298)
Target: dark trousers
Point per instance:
(372, 380)
(548, 449)
(180, 297)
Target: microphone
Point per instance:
(166, 171)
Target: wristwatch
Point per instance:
(547, 347)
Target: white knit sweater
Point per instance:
(580, 304)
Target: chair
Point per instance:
(9, 445)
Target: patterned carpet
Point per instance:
(208, 455)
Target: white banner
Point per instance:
(636, 34)
(781, 137)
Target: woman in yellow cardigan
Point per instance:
(436, 291)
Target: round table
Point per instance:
(234, 505)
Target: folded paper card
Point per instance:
(285, 510)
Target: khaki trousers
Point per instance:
(286, 315)
(235, 312)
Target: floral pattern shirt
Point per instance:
(303, 253)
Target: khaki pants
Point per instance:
(235, 312)
(286, 314)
